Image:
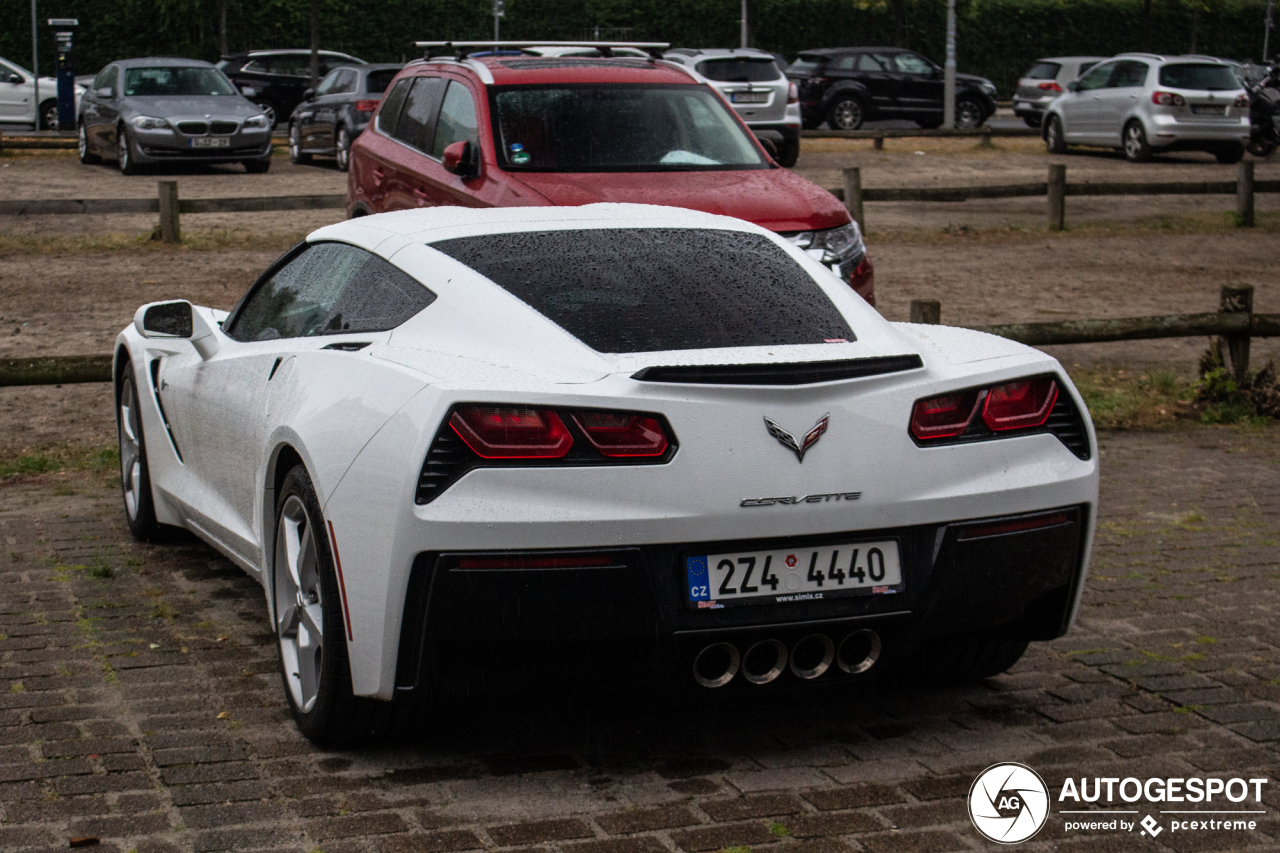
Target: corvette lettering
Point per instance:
(803, 499)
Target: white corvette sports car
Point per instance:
(436, 435)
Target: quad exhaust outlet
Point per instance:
(766, 660)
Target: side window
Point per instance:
(417, 118)
(909, 63)
(843, 63)
(873, 62)
(347, 82)
(457, 121)
(106, 77)
(1129, 74)
(390, 112)
(329, 289)
(329, 84)
(259, 66)
(1098, 77)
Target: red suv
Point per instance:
(518, 130)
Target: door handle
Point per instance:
(420, 195)
(378, 176)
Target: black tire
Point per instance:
(1260, 147)
(49, 114)
(124, 153)
(1032, 122)
(323, 707)
(846, 112)
(929, 123)
(135, 472)
(87, 157)
(342, 149)
(788, 154)
(296, 155)
(1134, 141)
(1054, 139)
(257, 167)
(1230, 154)
(969, 114)
(954, 660)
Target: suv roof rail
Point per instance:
(1157, 57)
(460, 49)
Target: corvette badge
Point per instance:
(788, 440)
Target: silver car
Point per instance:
(163, 110)
(761, 94)
(1046, 80)
(1144, 103)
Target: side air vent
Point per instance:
(1064, 422)
(796, 373)
(348, 346)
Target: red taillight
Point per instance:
(1050, 86)
(366, 106)
(941, 417)
(1167, 99)
(793, 94)
(512, 432)
(622, 433)
(1241, 101)
(1015, 525)
(1021, 404)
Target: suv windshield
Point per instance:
(739, 70)
(1211, 78)
(175, 80)
(618, 128)
(651, 289)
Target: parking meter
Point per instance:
(62, 42)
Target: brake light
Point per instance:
(1167, 99)
(622, 433)
(1016, 525)
(366, 106)
(1242, 101)
(793, 94)
(1021, 404)
(940, 417)
(1050, 86)
(512, 432)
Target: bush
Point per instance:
(1224, 400)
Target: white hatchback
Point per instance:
(18, 97)
(1143, 103)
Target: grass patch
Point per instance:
(24, 463)
(1128, 399)
(1267, 222)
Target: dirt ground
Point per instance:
(61, 295)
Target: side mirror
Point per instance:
(1073, 86)
(462, 159)
(177, 319)
(14, 78)
(308, 94)
(105, 92)
(249, 91)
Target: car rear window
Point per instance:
(651, 289)
(378, 81)
(1043, 71)
(1210, 78)
(739, 70)
(807, 66)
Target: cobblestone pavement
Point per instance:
(139, 704)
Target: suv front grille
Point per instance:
(193, 128)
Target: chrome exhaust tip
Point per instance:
(764, 661)
(716, 665)
(812, 655)
(859, 651)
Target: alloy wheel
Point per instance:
(295, 142)
(82, 143)
(130, 449)
(299, 603)
(343, 147)
(1134, 143)
(49, 118)
(123, 154)
(847, 115)
(968, 115)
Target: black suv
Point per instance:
(279, 77)
(846, 86)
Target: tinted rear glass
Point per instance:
(642, 290)
(739, 70)
(1043, 71)
(807, 66)
(377, 81)
(1212, 78)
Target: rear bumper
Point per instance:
(958, 579)
(1166, 130)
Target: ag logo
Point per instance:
(1008, 803)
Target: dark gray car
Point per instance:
(330, 118)
(163, 110)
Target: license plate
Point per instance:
(750, 97)
(793, 574)
(1208, 110)
(209, 142)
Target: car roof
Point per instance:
(162, 61)
(721, 52)
(1072, 58)
(510, 70)
(841, 51)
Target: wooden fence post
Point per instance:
(1237, 299)
(853, 196)
(878, 142)
(1244, 194)
(985, 141)
(170, 227)
(927, 311)
(1057, 196)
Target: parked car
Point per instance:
(337, 111)
(17, 97)
(846, 86)
(276, 79)
(1143, 103)
(1046, 80)
(451, 441)
(524, 130)
(762, 95)
(165, 110)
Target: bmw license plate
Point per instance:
(210, 142)
(750, 97)
(1208, 109)
(793, 574)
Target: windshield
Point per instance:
(739, 70)
(651, 289)
(618, 128)
(1210, 78)
(175, 80)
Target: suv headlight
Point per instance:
(255, 122)
(148, 123)
(836, 245)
